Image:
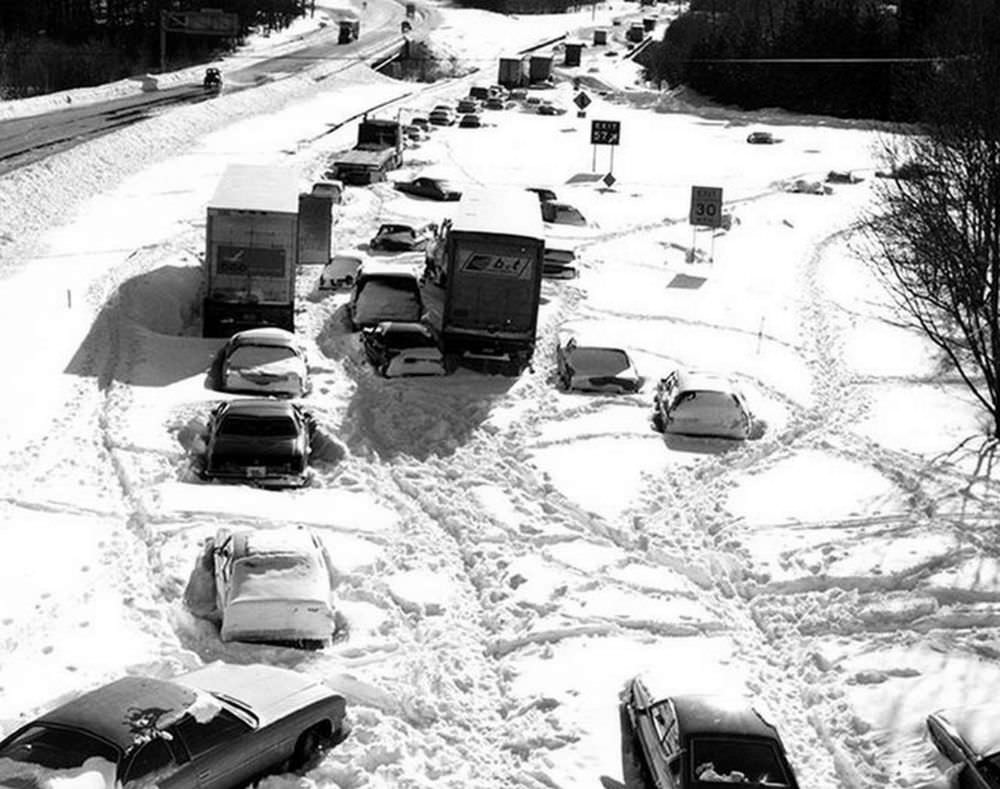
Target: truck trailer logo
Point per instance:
(499, 265)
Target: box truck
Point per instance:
(251, 250)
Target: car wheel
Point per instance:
(383, 369)
(306, 748)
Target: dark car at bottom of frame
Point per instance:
(222, 726)
(689, 741)
(260, 441)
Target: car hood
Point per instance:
(270, 692)
(281, 369)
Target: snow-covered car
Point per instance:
(558, 263)
(802, 186)
(761, 138)
(467, 106)
(688, 741)
(442, 116)
(259, 441)
(909, 171)
(843, 177)
(384, 293)
(548, 108)
(562, 214)
(421, 122)
(696, 403)
(415, 133)
(332, 188)
(403, 348)
(273, 586)
(585, 364)
(496, 103)
(399, 238)
(470, 120)
(340, 272)
(967, 737)
(545, 195)
(222, 726)
(264, 361)
(431, 188)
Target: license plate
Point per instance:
(256, 471)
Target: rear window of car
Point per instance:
(718, 761)
(708, 401)
(602, 361)
(391, 298)
(56, 748)
(256, 355)
(262, 426)
(409, 339)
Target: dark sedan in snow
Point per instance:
(593, 366)
(221, 726)
(688, 741)
(968, 739)
(431, 188)
(401, 348)
(399, 238)
(260, 441)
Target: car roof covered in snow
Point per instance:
(260, 406)
(257, 187)
(720, 715)
(264, 541)
(268, 335)
(111, 712)
(379, 268)
(404, 327)
(701, 381)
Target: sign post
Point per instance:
(605, 133)
(706, 211)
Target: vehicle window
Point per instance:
(202, 737)
(256, 355)
(264, 427)
(394, 298)
(737, 761)
(409, 339)
(152, 757)
(395, 229)
(56, 748)
(599, 361)
(258, 572)
(706, 401)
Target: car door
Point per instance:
(156, 763)
(660, 740)
(221, 753)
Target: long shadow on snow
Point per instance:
(151, 324)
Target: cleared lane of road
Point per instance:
(28, 139)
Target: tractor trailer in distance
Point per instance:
(490, 261)
(251, 250)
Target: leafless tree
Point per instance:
(937, 229)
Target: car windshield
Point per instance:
(56, 748)
(599, 361)
(388, 299)
(256, 355)
(268, 575)
(691, 402)
(737, 761)
(258, 426)
(408, 339)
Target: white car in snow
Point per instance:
(264, 361)
(697, 403)
(273, 586)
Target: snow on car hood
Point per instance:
(279, 576)
(278, 368)
(270, 692)
(95, 773)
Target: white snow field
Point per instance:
(507, 554)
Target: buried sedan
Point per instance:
(222, 726)
(264, 361)
(696, 403)
(260, 441)
(591, 366)
(691, 741)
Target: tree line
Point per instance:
(50, 45)
(708, 46)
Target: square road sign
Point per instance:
(605, 132)
(706, 206)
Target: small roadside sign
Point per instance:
(582, 100)
(706, 206)
(609, 180)
(605, 132)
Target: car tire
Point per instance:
(308, 745)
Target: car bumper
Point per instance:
(266, 479)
